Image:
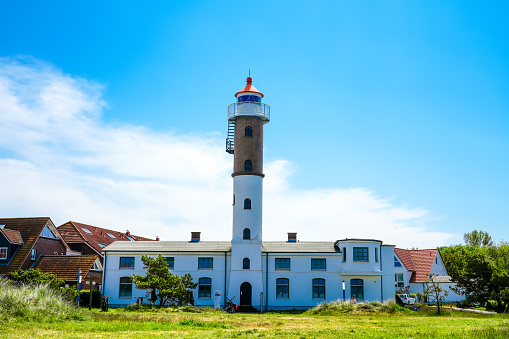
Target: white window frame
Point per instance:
(6, 252)
(33, 254)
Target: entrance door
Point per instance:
(246, 294)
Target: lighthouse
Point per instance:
(246, 118)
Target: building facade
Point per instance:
(258, 274)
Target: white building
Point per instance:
(259, 274)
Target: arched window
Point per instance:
(248, 165)
(246, 264)
(282, 288)
(246, 234)
(247, 204)
(357, 289)
(204, 288)
(318, 288)
(249, 131)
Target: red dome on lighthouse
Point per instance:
(249, 88)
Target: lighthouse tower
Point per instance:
(246, 118)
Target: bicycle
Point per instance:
(230, 306)
(105, 303)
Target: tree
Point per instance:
(161, 284)
(481, 272)
(436, 294)
(478, 239)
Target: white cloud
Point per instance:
(59, 159)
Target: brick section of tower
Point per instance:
(248, 148)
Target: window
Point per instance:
(170, 261)
(436, 260)
(3, 252)
(86, 230)
(249, 131)
(111, 236)
(398, 277)
(396, 262)
(318, 264)
(126, 287)
(248, 165)
(344, 254)
(130, 239)
(34, 254)
(246, 234)
(357, 289)
(246, 264)
(248, 99)
(360, 254)
(126, 262)
(204, 287)
(282, 288)
(205, 263)
(247, 204)
(46, 232)
(282, 263)
(233, 199)
(318, 288)
(376, 254)
(102, 245)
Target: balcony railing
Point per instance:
(251, 109)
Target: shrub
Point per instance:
(34, 303)
(85, 298)
(340, 306)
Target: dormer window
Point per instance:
(3, 253)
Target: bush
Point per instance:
(85, 298)
(340, 306)
(35, 303)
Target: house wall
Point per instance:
(44, 246)
(184, 263)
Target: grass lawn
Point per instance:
(215, 324)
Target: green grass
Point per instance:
(205, 323)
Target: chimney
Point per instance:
(195, 236)
(292, 237)
(157, 238)
(127, 233)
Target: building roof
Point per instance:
(221, 246)
(13, 236)
(249, 88)
(418, 261)
(300, 246)
(169, 246)
(75, 232)
(29, 230)
(405, 257)
(66, 267)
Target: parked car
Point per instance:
(406, 298)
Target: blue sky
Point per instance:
(392, 114)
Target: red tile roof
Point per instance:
(30, 229)
(418, 261)
(66, 267)
(249, 88)
(14, 237)
(405, 257)
(75, 232)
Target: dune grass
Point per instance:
(332, 321)
(35, 303)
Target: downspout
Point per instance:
(104, 273)
(224, 294)
(266, 279)
(381, 276)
